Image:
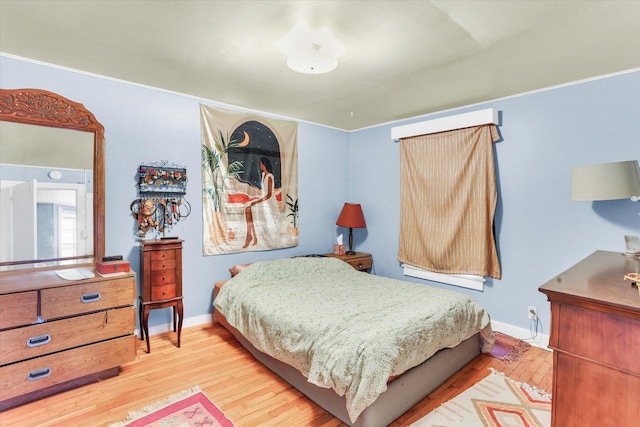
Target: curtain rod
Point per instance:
(458, 121)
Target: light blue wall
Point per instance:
(143, 125)
(540, 230)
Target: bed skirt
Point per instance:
(402, 393)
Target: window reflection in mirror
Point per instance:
(46, 192)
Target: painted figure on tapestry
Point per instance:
(246, 178)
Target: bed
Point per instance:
(366, 348)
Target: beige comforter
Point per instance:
(344, 329)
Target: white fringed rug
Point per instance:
(495, 401)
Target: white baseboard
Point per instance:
(541, 340)
(168, 327)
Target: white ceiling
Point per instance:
(403, 58)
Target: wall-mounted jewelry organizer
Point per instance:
(161, 201)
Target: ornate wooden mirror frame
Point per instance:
(43, 108)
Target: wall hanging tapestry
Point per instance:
(249, 182)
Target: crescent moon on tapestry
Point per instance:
(245, 141)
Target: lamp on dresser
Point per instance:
(351, 217)
(606, 181)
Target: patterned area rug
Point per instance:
(495, 401)
(509, 349)
(189, 408)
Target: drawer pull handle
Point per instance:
(163, 265)
(39, 340)
(39, 374)
(360, 265)
(95, 296)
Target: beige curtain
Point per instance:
(448, 200)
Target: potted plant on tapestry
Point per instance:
(213, 165)
(293, 213)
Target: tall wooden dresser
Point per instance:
(595, 335)
(161, 264)
(57, 334)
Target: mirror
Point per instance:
(51, 181)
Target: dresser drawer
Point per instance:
(160, 293)
(601, 337)
(18, 309)
(160, 255)
(163, 264)
(45, 371)
(44, 338)
(84, 298)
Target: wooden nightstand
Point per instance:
(360, 260)
(161, 264)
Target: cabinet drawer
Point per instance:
(35, 374)
(163, 277)
(601, 337)
(160, 293)
(160, 255)
(361, 263)
(44, 338)
(163, 264)
(18, 309)
(83, 298)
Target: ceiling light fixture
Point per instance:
(311, 52)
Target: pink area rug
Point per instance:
(189, 408)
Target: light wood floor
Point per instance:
(248, 393)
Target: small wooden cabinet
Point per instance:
(595, 335)
(57, 334)
(360, 260)
(161, 264)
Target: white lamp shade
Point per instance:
(607, 181)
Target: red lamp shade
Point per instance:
(351, 216)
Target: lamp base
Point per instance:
(350, 253)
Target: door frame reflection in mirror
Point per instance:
(44, 108)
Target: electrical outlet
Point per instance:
(532, 312)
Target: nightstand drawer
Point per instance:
(159, 293)
(361, 261)
(160, 255)
(164, 264)
(364, 263)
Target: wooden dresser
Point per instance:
(595, 335)
(161, 264)
(360, 260)
(57, 334)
